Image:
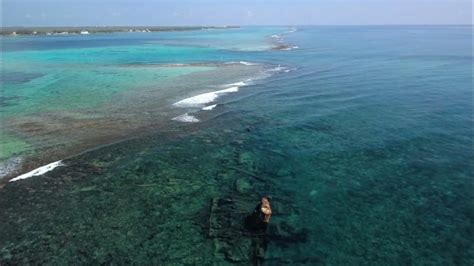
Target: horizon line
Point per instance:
(230, 25)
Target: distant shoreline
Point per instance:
(13, 31)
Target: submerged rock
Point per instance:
(246, 158)
(284, 172)
(282, 209)
(282, 47)
(231, 239)
(284, 233)
(242, 186)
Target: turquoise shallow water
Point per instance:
(362, 138)
(79, 78)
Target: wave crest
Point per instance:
(38, 171)
(186, 118)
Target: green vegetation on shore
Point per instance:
(92, 29)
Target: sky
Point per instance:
(233, 12)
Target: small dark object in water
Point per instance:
(249, 128)
(260, 217)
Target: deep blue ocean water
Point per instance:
(362, 137)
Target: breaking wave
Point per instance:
(186, 118)
(208, 108)
(38, 171)
(205, 98)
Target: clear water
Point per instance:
(54, 85)
(363, 141)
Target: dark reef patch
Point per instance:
(18, 77)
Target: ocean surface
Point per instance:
(361, 136)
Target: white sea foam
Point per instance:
(242, 63)
(208, 108)
(238, 84)
(280, 69)
(248, 63)
(231, 89)
(277, 69)
(197, 100)
(289, 70)
(205, 98)
(275, 36)
(186, 118)
(38, 171)
(10, 165)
